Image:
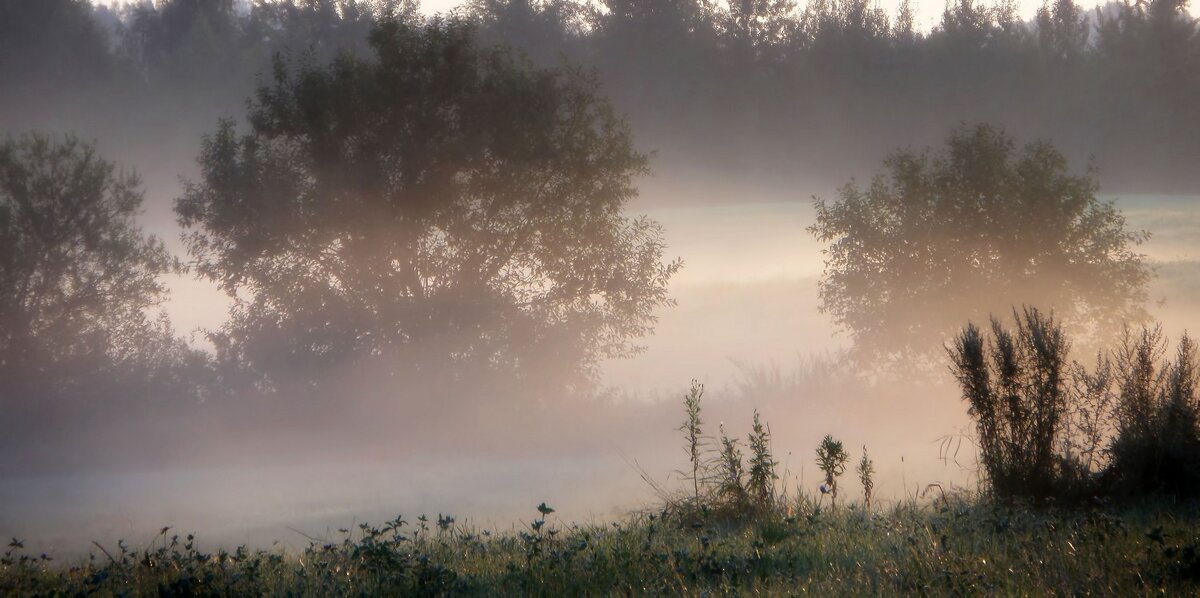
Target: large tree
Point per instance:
(982, 226)
(77, 277)
(441, 204)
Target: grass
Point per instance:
(952, 546)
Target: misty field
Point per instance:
(242, 491)
(273, 271)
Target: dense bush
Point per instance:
(1015, 385)
(1047, 430)
(1157, 447)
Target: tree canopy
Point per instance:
(76, 276)
(764, 83)
(442, 203)
(980, 227)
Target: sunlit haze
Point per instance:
(375, 265)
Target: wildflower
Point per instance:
(824, 488)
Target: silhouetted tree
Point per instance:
(765, 28)
(322, 28)
(651, 52)
(49, 45)
(978, 228)
(1062, 31)
(546, 30)
(442, 203)
(193, 43)
(1149, 72)
(76, 279)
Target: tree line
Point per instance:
(756, 83)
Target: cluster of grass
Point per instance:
(949, 547)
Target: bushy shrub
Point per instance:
(1015, 383)
(1130, 426)
(761, 484)
(1157, 447)
(731, 471)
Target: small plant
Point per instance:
(831, 458)
(761, 484)
(731, 471)
(693, 435)
(536, 539)
(866, 469)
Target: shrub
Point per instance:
(866, 471)
(761, 484)
(693, 435)
(1015, 383)
(731, 471)
(1130, 426)
(1157, 448)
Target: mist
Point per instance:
(745, 118)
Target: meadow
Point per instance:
(946, 544)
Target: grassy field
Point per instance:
(953, 545)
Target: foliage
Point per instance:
(1016, 386)
(1157, 447)
(1047, 430)
(831, 459)
(866, 473)
(970, 231)
(731, 471)
(441, 203)
(723, 486)
(761, 482)
(693, 435)
(774, 81)
(77, 277)
(178, 39)
(50, 44)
